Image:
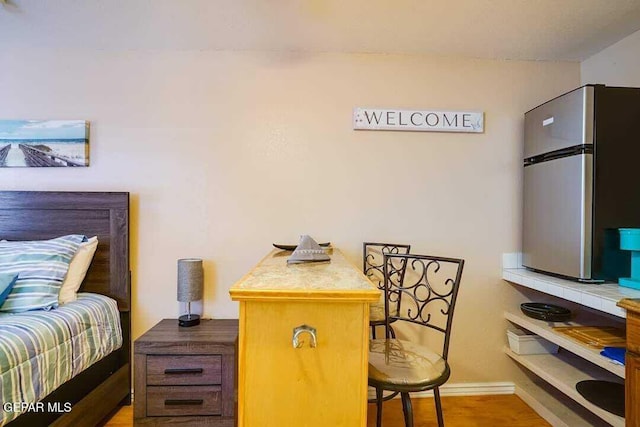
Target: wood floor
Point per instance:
(467, 411)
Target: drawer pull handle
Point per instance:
(174, 402)
(178, 371)
(299, 330)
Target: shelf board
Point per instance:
(543, 329)
(601, 297)
(555, 407)
(563, 371)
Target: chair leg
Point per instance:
(393, 333)
(436, 398)
(373, 332)
(406, 408)
(378, 407)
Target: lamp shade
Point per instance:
(190, 279)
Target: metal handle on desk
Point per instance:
(297, 331)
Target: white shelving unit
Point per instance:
(554, 406)
(563, 371)
(602, 297)
(575, 361)
(543, 329)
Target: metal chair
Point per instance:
(372, 267)
(425, 295)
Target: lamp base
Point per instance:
(189, 320)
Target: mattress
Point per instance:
(40, 350)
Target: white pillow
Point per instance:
(77, 270)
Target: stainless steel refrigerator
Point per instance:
(581, 182)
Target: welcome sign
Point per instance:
(418, 120)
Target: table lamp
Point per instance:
(190, 288)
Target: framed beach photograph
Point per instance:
(44, 143)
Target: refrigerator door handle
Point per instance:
(558, 154)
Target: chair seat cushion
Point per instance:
(402, 365)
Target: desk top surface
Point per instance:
(273, 278)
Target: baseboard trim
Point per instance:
(464, 389)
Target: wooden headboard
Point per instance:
(37, 215)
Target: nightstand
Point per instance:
(186, 376)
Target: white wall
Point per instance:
(227, 152)
(617, 65)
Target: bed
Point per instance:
(106, 384)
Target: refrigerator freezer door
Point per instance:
(563, 122)
(557, 219)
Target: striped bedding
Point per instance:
(40, 350)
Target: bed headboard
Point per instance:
(36, 215)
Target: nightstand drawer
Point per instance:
(184, 370)
(183, 400)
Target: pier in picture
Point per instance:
(44, 143)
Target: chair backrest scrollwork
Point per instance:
(422, 289)
(373, 260)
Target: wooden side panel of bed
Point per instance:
(36, 215)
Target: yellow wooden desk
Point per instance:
(283, 380)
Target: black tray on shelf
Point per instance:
(544, 311)
(604, 394)
(293, 247)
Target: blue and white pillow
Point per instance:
(41, 266)
(7, 280)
